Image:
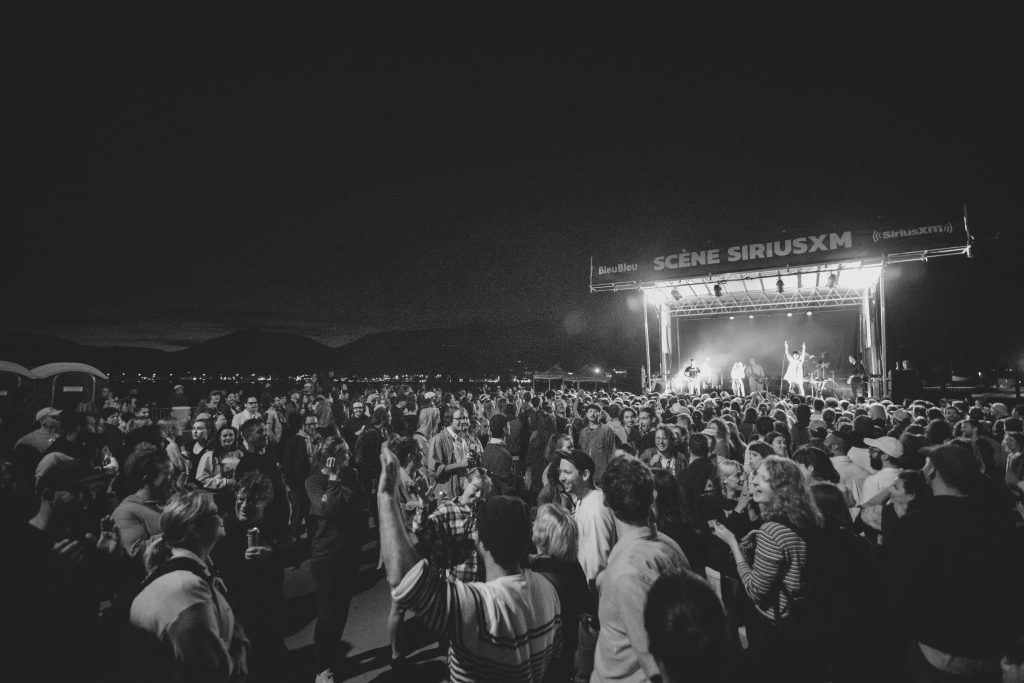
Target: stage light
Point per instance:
(789, 315)
(779, 285)
(832, 281)
(732, 317)
(676, 295)
(751, 317)
(718, 290)
(810, 312)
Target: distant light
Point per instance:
(810, 312)
(789, 315)
(751, 317)
(732, 317)
(597, 370)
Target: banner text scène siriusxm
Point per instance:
(754, 251)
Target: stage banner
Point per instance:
(825, 247)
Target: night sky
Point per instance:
(179, 185)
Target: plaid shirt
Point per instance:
(449, 540)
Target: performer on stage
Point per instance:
(692, 374)
(858, 377)
(738, 373)
(795, 372)
(755, 377)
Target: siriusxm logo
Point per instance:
(879, 235)
(620, 268)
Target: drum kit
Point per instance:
(821, 378)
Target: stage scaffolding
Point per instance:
(835, 286)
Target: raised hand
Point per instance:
(388, 471)
(110, 537)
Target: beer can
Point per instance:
(253, 537)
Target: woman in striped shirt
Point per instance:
(788, 512)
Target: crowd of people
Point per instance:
(548, 536)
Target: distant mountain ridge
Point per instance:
(480, 348)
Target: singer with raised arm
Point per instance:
(795, 372)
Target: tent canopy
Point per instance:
(554, 372)
(52, 369)
(15, 369)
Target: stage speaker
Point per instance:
(634, 381)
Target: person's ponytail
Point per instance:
(156, 553)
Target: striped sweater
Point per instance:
(508, 629)
(780, 556)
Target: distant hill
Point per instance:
(469, 349)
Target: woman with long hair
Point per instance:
(664, 452)
(202, 443)
(536, 448)
(183, 607)
(775, 572)
(216, 469)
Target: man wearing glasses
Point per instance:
(354, 425)
(451, 454)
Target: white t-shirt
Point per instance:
(597, 535)
(878, 482)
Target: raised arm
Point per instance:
(397, 549)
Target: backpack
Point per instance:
(139, 655)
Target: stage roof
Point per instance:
(804, 289)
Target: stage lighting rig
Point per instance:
(832, 281)
(676, 295)
(718, 290)
(780, 286)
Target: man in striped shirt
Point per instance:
(505, 629)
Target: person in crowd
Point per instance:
(250, 558)
(551, 490)
(597, 439)
(816, 465)
(1010, 451)
(674, 520)
(555, 536)
(201, 443)
(885, 453)
(170, 430)
(58, 570)
(451, 454)
(72, 444)
(686, 630)
(506, 629)
(597, 530)
(958, 627)
(448, 534)
(647, 422)
(338, 529)
(151, 476)
(276, 418)
(177, 397)
(698, 479)
(497, 460)
(774, 574)
(777, 441)
(256, 458)
(216, 468)
(851, 475)
(296, 463)
(856, 594)
(355, 424)
(664, 453)
(251, 411)
(640, 555)
(187, 610)
(536, 460)
(28, 451)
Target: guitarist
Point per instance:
(755, 377)
(858, 377)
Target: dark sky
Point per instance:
(181, 184)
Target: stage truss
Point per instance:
(803, 289)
